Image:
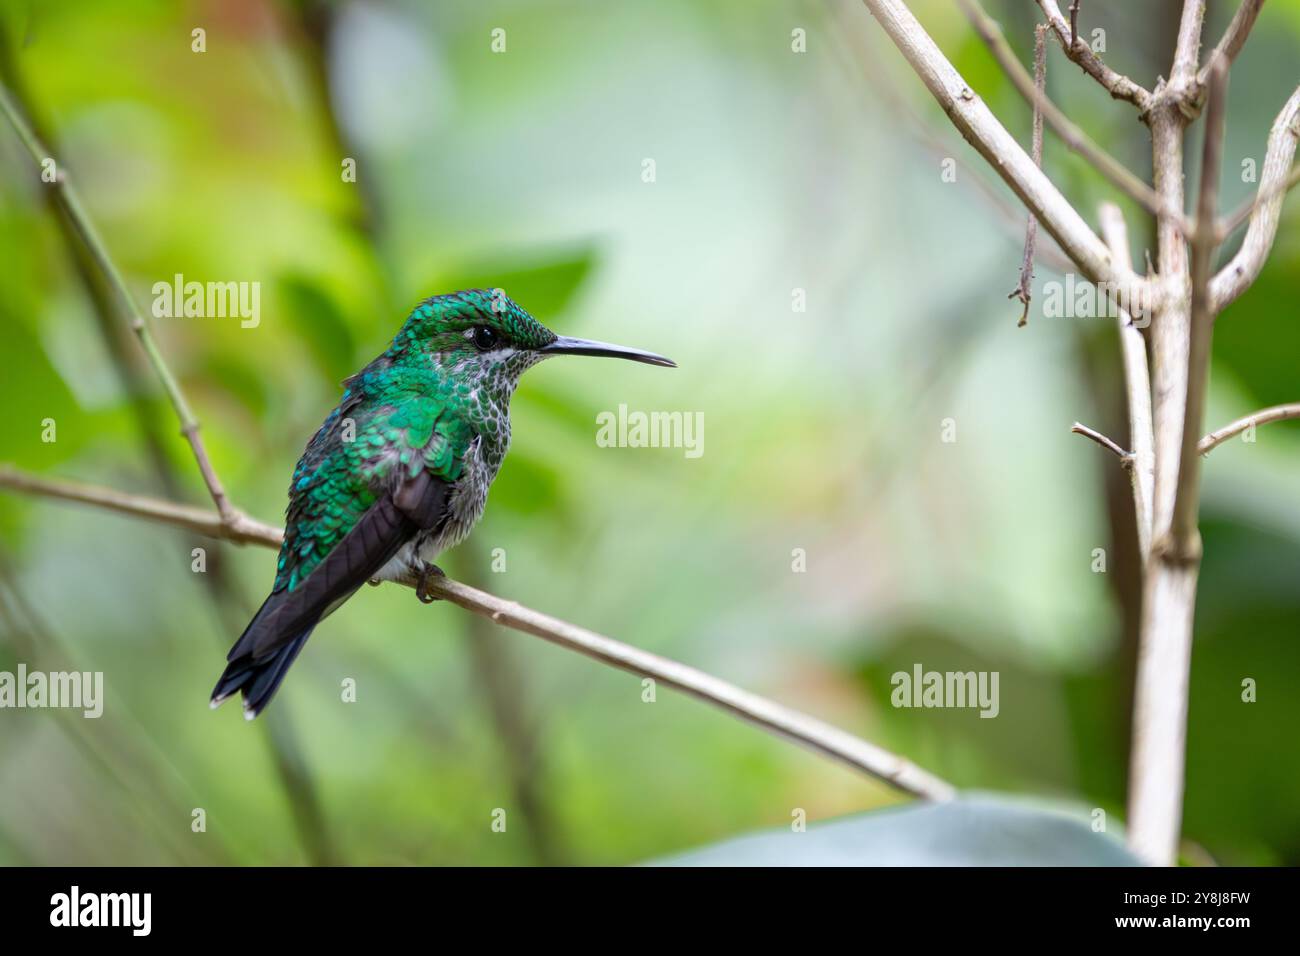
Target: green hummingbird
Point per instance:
(398, 472)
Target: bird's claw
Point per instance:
(422, 583)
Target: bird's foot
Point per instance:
(427, 572)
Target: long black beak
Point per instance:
(564, 345)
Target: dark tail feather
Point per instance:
(258, 679)
(277, 632)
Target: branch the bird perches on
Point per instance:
(769, 715)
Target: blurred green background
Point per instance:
(775, 171)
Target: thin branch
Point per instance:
(1264, 416)
(1073, 137)
(1009, 214)
(1170, 331)
(1187, 49)
(1184, 538)
(1101, 440)
(1024, 288)
(1275, 178)
(299, 789)
(243, 531)
(1074, 21)
(1238, 217)
(1118, 85)
(67, 197)
(769, 715)
(990, 138)
(1137, 387)
(1234, 38)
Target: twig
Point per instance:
(1168, 120)
(300, 792)
(1102, 440)
(200, 520)
(1073, 137)
(1119, 86)
(1074, 21)
(1187, 48)
(1024, 289)
(807, 731)
(1275, 178)
(69, 199)
(990, 138)
(1238, 217)
(1183, 536)
(1010, 215)
(1137, 382)
(1234, 38)
(1264, 416)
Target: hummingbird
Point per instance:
(398, 472)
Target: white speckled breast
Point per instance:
(482, 461)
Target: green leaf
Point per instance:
(974, 830)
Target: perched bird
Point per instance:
(398, 472)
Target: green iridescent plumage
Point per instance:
(399, 471)
(388, 415)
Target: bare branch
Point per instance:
(1101, 440)
(1073, 137)
(1275, 178)
(1238, 217)
(1137, 387)
(68, 198)
(769, 715)
(1184, 539)
(1024, 289)
(1234, 38)
(1187, 49)
(983, 130)
(1010, 214)
(1264, 416)
(1118, 85)
(243, 531)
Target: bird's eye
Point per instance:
(484, 338)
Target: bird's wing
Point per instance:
(415, 504)
(367, 483)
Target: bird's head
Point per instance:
(483, 335)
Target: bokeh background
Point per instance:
(775, 171)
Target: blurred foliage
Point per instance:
(775, 171)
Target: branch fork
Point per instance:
(1165, 389)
